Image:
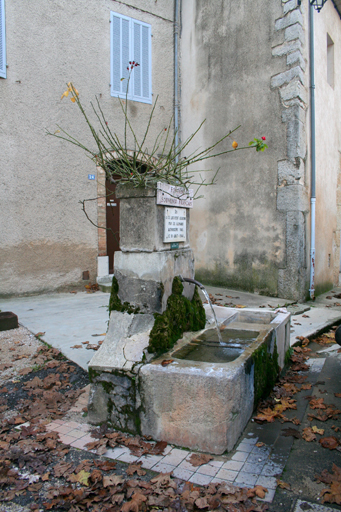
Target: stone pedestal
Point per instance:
(145, 266)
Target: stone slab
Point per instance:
(125, 342)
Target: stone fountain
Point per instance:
(197, 400)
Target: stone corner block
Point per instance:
(292, 198)
(287, 76)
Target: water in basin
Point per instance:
(208, 349)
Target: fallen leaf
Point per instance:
(166, 362)
(308, 434)
(316, 430)
(77, 346)
(198, 459)
(82, 477)
(135, 468)
(283, 485)
(329, 442)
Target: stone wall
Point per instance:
(45, 239)
(238, 234)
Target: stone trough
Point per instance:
(195, 404)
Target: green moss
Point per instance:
(93, 374)
(287, 356)
(115, 303)
(181, 315)
(266, 371)
(107, 386)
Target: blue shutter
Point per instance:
(2, 40)
(146, 64)
(130, 41)
(120, 53)
(142, 55)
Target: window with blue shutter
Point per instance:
(130, 41)
(2, 40)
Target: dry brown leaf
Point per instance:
(112, 480)
(308, 434)
(198, 459)
(329, 442)
(166, 362)
(135, 468)
(283, 485)
(317, 403)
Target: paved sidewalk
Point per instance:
(65, 319)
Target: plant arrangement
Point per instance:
(142, 166)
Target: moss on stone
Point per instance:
(287, 356)
(181, 315)
(93, 374)
(266, 371)
(115, 303)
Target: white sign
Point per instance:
(175, 225)
(169, 195)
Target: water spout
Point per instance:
(204, 291)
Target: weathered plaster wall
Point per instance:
(45, 240)
(328, 150)
(239, 67)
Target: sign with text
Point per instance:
(169, 195)
(175, 225)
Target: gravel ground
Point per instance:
(17, 350)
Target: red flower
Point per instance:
(263, 138)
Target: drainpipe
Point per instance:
(313, 153)
(176, 77)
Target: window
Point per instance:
(2, 40)
(330, 61)
(130, 41)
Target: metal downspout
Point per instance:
(313, 153)
(176, 77)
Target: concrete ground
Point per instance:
(69, 319)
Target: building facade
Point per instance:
(238, 63)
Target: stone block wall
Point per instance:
(292, 185)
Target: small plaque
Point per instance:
(175, 225)
(169, 195)
(91, 176)
(175, 245)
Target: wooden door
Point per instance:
(113, 223)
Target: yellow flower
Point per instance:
(70, 88)
(234, 144)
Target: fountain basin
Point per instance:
(199, 404)
(208, 349)
(205, 405)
